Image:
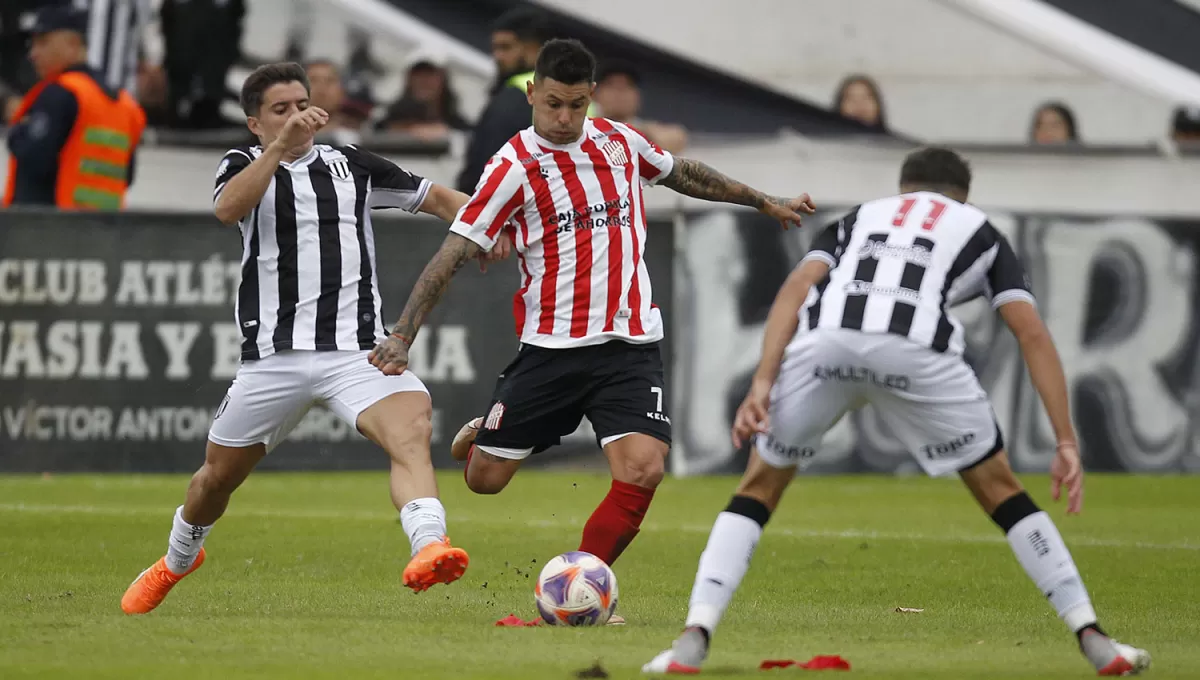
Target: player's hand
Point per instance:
(789, 211)
(753, 416)
(500, 251)
(390, 356)
(1066, 470)
(302, 126)
(465, 439)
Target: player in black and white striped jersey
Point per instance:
(309, 310)
(864, 320)
(933, 253)
(302, 304)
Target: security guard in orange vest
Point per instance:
(72, 140)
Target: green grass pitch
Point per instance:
(303, 580)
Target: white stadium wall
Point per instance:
(945, 75)
(178, 180)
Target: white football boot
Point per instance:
(1111, 657)
(683, 658)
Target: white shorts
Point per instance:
(931, 401)
(270, 396)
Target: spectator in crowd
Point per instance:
(349, 119)
(428, 107)
(1185, 127)
(1053, 123)
(73, 137)
(16, 73)
(619, 97)
(152, 93)
(858, 98)
(325, 82)
(202, 41)
(516, 38)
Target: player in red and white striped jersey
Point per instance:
(580, 231)
(569, 192)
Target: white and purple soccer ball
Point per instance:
(576, 589)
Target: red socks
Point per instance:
(616, 521)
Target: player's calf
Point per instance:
(1039, 547)
(637, 462)
(765, 483)
(487, 473)
(638, 459)
(724, 563)
(401, 424)
(224, 470)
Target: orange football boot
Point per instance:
(150, 588)
(437, 562)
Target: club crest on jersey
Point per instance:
(339, 168)
(614, 151)
(494, 417)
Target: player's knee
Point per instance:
(481, 482)
(992, 481)
(484, 486)
(645, 470)
(409, 438)
(220, 478)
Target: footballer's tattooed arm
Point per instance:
(693, 178)
(391, 355)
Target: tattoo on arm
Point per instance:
(453, 254)
(693, 178)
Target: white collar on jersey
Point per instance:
(541, 141)
(299, 162)
(303, 160)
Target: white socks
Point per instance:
(184, 544)
(424, 520)
(1041, 551)
(722, 567)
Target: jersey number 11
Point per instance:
(906, 206)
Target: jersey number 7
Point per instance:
(906, 206)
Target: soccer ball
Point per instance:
(576, 589)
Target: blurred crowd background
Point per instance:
(188, 58)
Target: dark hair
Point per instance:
(859, 78)
(936, 167)
(567, 61)
(1062, 110)
(618, 67)
(263, 77)
(529, 25)
(408, 109)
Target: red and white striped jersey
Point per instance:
(576, 217)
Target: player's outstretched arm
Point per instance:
(243, 191)
(780, 329)
(1046, 372)
(391, 355)
(693, 178)
(444, 203)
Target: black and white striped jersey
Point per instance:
(897, 263)
(309, 278)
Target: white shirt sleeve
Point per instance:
(653, 162)
(500, 193)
